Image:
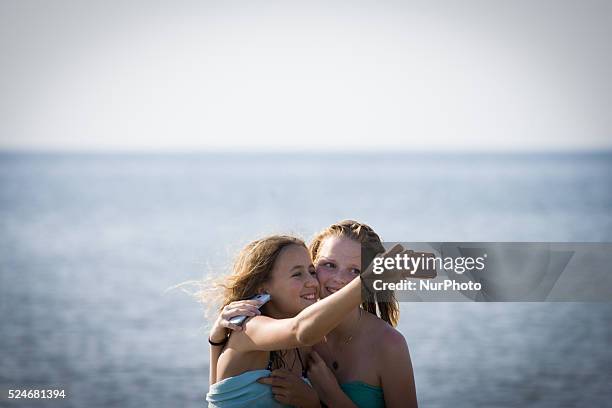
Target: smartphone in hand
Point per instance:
(239, 320)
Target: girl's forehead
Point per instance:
(340, 247)
(293, 254)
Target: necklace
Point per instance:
(346, 341)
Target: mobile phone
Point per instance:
(263, 298)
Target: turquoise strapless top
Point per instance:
(243, 391)
(364, 395)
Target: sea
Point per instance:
(94, 248)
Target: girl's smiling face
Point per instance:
(338, 263)
(293, 285)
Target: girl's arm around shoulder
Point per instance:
(266, 334)
(309, 326)
(306, 329)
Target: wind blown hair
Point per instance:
(253, 267)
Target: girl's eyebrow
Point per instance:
(324, 258)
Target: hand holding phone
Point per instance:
(263, 298)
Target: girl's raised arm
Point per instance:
(310, 325)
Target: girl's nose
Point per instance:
(312, 282)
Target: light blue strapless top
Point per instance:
(364, 395)
(242, 391)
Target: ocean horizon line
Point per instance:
(304, 152)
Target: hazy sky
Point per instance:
(275, 75)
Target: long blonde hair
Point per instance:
(383, 303)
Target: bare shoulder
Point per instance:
(385, 335)
(393, 363)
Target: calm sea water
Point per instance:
(90, 243)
